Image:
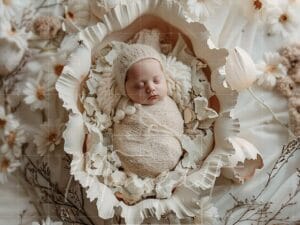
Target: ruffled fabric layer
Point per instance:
(230, 151)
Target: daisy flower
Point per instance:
(77, 14)
(270, 69)
(54, 64)
(7, 120)
(202, 9)
(38, 92)
(255, 8)
(48, 136)
(13, 139)
(7, 165)
(48, 221)
(283, 20)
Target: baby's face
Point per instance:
(145, 82)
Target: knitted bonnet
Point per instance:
(127, 57)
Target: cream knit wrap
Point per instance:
(127, 57)
(148, 141)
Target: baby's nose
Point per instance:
(150, 88)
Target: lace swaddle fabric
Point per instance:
(148, 141)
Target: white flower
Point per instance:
(55, 64)
(13, 139)
(240, 69)
(202, 9)
(271, 68)
(12, 9)
(49, 135)
(13, 45)
(52, 64)
(48, 221)
(38, 92)
(7, 165)
(7, 120)
(283, 20)
(77, 14)
(254, 9)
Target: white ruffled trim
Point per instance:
(184, 200)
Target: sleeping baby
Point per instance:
(148, 140)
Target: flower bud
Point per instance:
(240, 69)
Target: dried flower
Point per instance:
(294, 113)
(46, 27)
(240, 69)
(291, 56)
(286, 86)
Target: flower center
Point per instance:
(40, 93)
(12, 31)
(58, 68)
(6, 2)
(271, 68)
(11, 138)
(2, 123)
(257, 4)
(70, 15)
(4, 164)
(52, 137)
(283, 18)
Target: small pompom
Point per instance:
(120, 114)
(130, 110)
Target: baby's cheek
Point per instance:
(164, 90)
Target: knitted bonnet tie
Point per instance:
(127, 57)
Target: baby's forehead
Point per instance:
(147, 66)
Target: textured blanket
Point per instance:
(148, 142)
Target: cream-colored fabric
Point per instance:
(148, 142)
(127, 57)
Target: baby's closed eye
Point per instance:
(156, 80)
(139, 85)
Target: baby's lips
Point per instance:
(153, 97)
